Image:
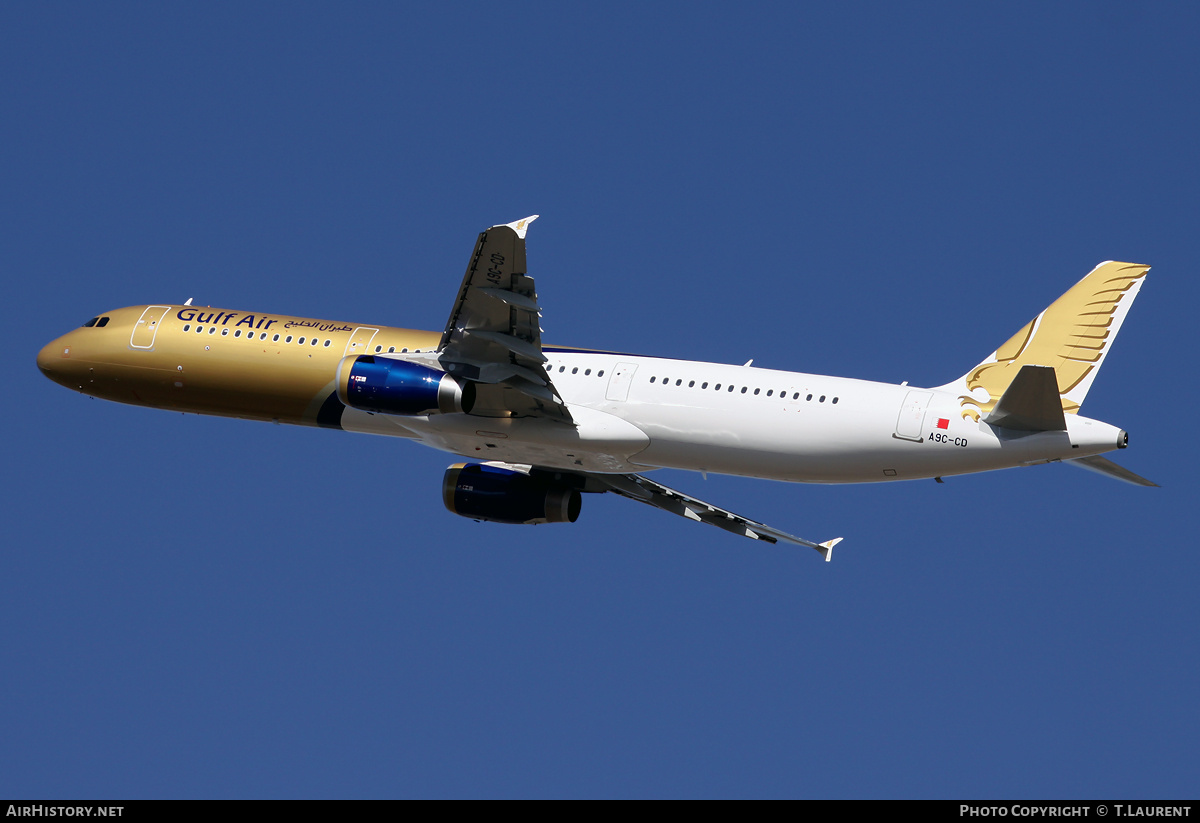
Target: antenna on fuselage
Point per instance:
(189, 301)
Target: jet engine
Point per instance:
(389, 386)
(505, 496)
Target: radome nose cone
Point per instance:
(45, 355)
(50, 358)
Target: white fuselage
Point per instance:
(634, 413)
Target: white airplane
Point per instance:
(545, 424)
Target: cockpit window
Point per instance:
(103, 322)
(90, 323)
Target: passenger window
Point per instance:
(835, 400)
(756, 391)
(730, 387)
(199, 330)
(187, 327)
(224, 332)
(743, 389)
(212, 329)
(576, 371)
(795, 395)
(275, 339)
(391, 349)
(263, 336)
(769, 392)
(652, 379)
(287, 339)
(822, 400)
(326, 344)
(300, 342)
(717, 387)
(600, 373)
(378, 349)
(678, 382)
(809, 397)
(691, 383)
(586, 372)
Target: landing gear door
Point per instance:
(618, 384)
(911, 421)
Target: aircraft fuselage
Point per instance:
(630, 413)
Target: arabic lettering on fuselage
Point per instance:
(254, 321)
(316, 325)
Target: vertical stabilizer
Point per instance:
(1072, 336)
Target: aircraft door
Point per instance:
(146, 328)
(360, 341)
(911, 421)
(618, 384)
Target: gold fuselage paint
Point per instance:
(251, 365)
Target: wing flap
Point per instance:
(514, 344)
(511, 298)
(531, 389)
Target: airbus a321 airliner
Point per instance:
(544, 424)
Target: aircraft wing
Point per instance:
(493, 336)
(639, 488)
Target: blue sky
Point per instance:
(203, 607)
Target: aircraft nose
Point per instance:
(46, 356)
(54, 357)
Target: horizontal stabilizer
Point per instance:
(1103, 465)
(1030, 403)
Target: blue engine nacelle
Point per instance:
(388, 386)
(505, 496)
